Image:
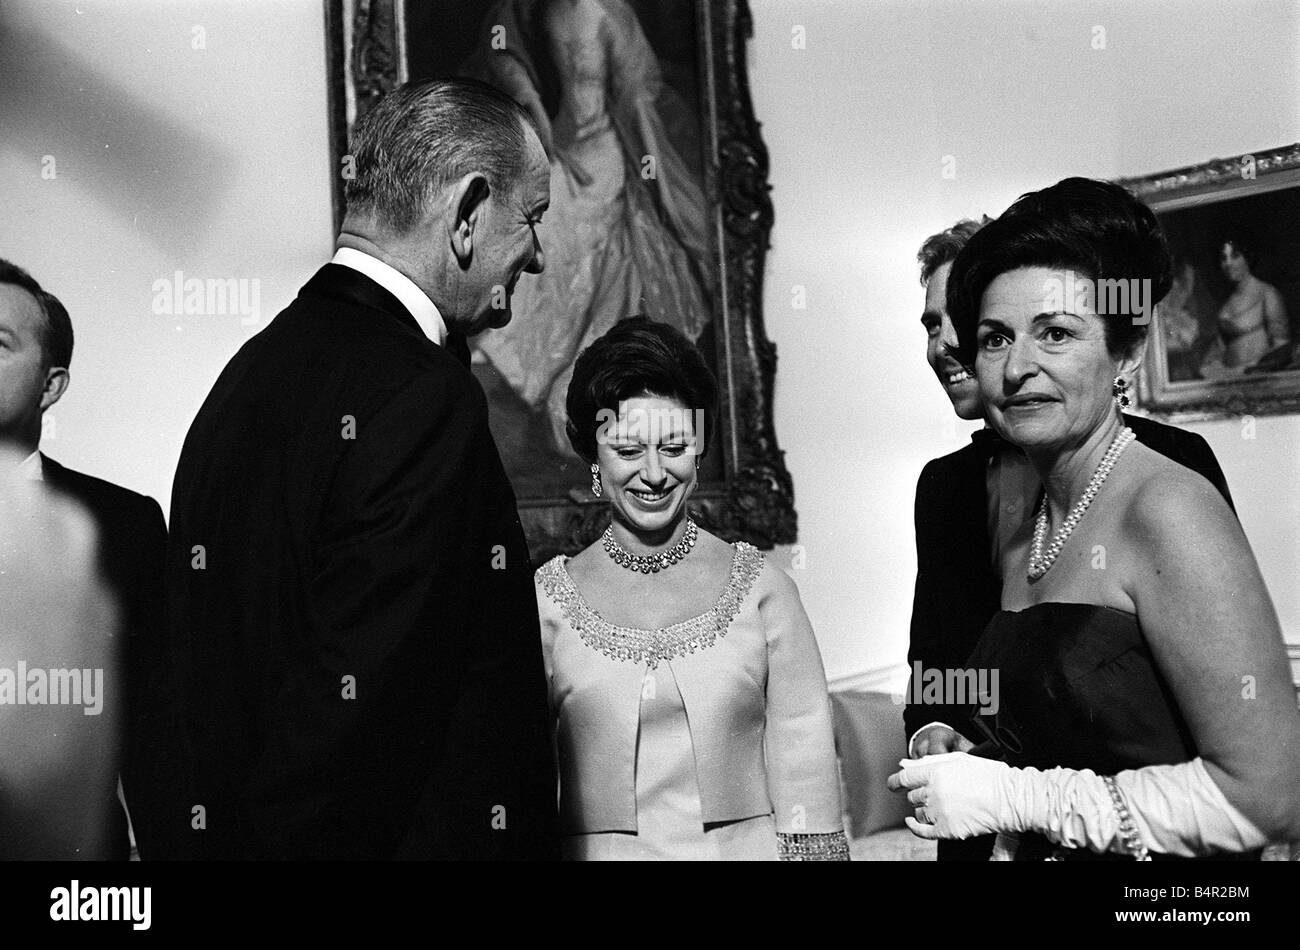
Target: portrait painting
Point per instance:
(627, 228)
(1226, 338)
(658, 208)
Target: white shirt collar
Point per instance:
(400, 286)
(31, 468)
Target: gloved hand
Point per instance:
(1176, 809)
(958, 795)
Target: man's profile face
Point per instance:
(22, 365)
(940, 339)
(510, 244)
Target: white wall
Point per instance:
(858, 124)
(210, 161)
(214, 161)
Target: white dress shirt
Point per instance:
(400, 286)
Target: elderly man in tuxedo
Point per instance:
(968, 504)
(351, 597)
(78, 815)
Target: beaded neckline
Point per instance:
(651, 647)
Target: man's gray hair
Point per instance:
(421, 137)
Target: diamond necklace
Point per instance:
(650, 563)
(1040, 563)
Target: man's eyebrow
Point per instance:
(930, 314)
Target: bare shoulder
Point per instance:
(713, 558)
(1182, 530)
(1167, 499)
(712, 548)
(581, 565)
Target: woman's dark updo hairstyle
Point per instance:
(1093, 227)
(1243, 243)
(636, 357)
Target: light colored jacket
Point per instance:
(754, 692)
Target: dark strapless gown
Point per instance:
(1077, 688)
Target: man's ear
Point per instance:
(56, 384)
(467, 200)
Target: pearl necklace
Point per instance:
(650, 563)
(1039, 564)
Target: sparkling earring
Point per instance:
(595, 479)
(1120, 391)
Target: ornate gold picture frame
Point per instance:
(745, 490)
(1226, 340)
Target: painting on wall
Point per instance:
(1225, 341)
(659, 207)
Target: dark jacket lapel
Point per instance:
(54, 473)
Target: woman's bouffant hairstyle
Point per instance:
(1093, 227)
(637, 356)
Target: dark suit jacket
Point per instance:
(351, 601)
(132, 540)
(958, 589)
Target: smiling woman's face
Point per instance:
(647, 463)
(1044, 371)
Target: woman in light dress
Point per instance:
(1252, 321)
(691, 713)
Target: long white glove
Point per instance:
(1177, 809)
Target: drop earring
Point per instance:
(595, 479)
(1120, 391)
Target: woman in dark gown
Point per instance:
(1144, 705)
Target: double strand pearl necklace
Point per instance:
(1040, 563)
(650, 563)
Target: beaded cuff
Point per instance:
(827, 847)
(653, 646)
(1127, 827)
